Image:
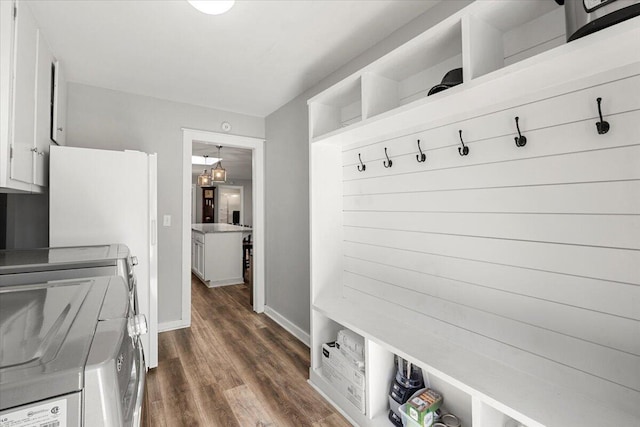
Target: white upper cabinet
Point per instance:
(32, 101)
(25, 57)
(43, 112)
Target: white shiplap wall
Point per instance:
(527, 255)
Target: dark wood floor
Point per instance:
(233, 367)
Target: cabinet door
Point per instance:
(6, 68)
(24, 94)
(200, 257)
(44, 109)
(58, 131)
(193, 253)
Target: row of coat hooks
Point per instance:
(601, 126)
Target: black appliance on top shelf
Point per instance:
(407, 381)
(588, 16)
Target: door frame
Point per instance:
(256, 145)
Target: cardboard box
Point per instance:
(353, 359)
(351, 343)
(352, 392)
(422, 406)
(343, 364)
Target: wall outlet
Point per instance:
(166, 220)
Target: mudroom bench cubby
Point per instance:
(489, 233)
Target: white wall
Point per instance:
(287, 176)
(101, 118)
(248, 198)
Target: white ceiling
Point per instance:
(251, 60)
(236, 161)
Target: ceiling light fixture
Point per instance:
(219, 174)
(212, 7)
(204, 179)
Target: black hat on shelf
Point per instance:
(452, 78)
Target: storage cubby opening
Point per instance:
(498, 34)
(340, 361)
(454, 400)
(408, 74)
(491, 417)
(340, 107)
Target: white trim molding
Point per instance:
(172, 325)
(256, 145)
(288, 326)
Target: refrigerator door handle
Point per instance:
(154, 231)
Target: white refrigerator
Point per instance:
(104, 197)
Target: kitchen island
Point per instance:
(216, 253)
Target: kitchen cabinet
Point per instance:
(193, 251)
(28, 100)
(469, 263)
(217, 253)
(199, 256)
(43, 109)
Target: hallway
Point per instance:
(233, 367)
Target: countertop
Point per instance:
(218, 228)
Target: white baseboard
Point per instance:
(172, 325)
(224, 282)
(288, 326)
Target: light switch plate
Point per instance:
(166, 220)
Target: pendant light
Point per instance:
(219, 174)
(204, 179)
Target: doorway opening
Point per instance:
(230, 205)
(230, 209)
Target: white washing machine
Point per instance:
(71, 354)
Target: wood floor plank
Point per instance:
(247, 361)
(196, 371)
(180, 409)
(240, 295)
(282, 392)
(214, 407)
(223, 371)
(234, 297)
(166, 347)
(233, 367)
(171, 377)
(333, 420)
(156, 415)
(248, 410)
(153, 393)
(288, 349)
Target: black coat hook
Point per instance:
(420, 157)
(387, 163)
(521, 140)
(464, 150)
(602, 126)
(362, 167)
